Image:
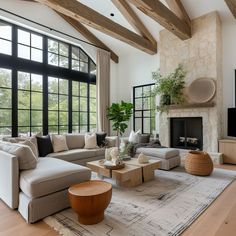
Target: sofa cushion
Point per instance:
(52, 175)
(100, 152)
(44, 145)
(59, 143)
(32, 146)
(101, 139)
(74, 154)
(90, 141)
(143, 138)
(26, 158)
(164, 153)
(75, 141)
(133, 136)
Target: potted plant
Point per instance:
(169, 88)
(119, 114)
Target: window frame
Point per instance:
(15, 64)
(142, 110)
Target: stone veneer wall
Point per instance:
(202, 57)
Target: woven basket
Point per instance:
(198, 163)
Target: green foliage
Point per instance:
(169, 87)
(119, 114)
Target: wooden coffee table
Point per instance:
(89, 200)
(148, 169)
(133, 174)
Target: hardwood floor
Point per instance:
(218, 220)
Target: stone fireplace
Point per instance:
(202, 57)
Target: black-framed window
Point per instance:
(144, 109)
(5, 101)
(58, 105)
(79, 106)
(29, 101)
(5, 38)
(29, 45)
(58, 53)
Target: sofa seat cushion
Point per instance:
(51, 175)
(74, 154)
(164, 153)
(100, 152)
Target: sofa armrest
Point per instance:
(9, 179)
(112, 141)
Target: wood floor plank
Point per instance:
(217, 220)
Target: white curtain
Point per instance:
(103, 90)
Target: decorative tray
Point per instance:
(117, 167)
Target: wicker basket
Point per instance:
(198, 163)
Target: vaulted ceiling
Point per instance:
(130, 25)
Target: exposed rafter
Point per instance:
(88, 35)
(177, 7)
(133, 19)
(232, 6)
(87, 16)
(165, 17)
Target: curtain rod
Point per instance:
(57, 31)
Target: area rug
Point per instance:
(165, 206)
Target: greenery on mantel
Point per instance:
(119, 114)
(169, 88)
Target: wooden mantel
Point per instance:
(191, 106)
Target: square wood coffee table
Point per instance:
(133, 174)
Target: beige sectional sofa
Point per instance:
(77, 154)
(42, 190)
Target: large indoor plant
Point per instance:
(169, 87)
(119, 114)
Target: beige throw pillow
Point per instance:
(26, 158)
(90, 141)
(32, 146)
(59, 143)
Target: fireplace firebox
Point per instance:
(186, 133)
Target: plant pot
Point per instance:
(198, 163)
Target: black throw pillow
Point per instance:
(44, 145)
(101, 139)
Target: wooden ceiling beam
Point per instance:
(133, 19)
(164, 16)
(88, 16)
(232, 6)
(177, 7)
(88, 35)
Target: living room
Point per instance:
(117, 117)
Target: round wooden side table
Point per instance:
(89, 200)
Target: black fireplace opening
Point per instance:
(186, 133)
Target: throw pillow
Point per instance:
(75, 141)
(133, 137)
(90, 141)
(27, 159)
(143, 138)
(32, 147)
(101, 139)
(44, 145)
(59, 143)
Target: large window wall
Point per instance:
(45, 84)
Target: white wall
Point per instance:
(134, 68)
(229, 67)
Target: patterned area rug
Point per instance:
(164, 206)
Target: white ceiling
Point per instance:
(193, 7)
